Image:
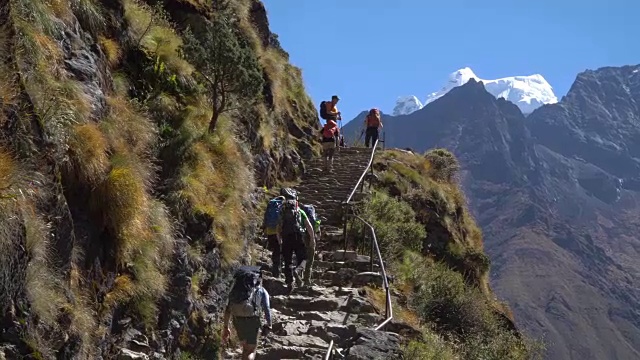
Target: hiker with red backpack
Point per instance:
(292, 223)
(373, 124)
(247, 300)
(330, 131)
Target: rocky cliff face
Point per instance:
(554, 194)
(122, 217)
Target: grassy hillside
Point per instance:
(435, 250)
(118, 197)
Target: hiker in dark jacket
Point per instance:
(290, 234)
(247, 325)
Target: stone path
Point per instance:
(327, 191)
(336, 307)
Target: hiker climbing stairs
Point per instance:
(337, 306)
(334, 308)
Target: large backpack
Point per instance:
(291, 218)
(329, 130)
(372, 119)
(272, 212)
(323, 110)
(244, 300)
(310, 210)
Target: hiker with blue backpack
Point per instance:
(270, 223)
(247, 301)
(292, 222)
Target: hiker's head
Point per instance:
(335, 99)
(374, 111)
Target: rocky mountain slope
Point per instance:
(527, 92)
(556, 195)
(129, 177)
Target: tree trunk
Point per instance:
(213, 121)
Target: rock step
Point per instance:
(282, 352)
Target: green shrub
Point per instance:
(395, 225)
(460, 312)
(431, 347)
(443, 164)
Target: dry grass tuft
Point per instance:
(120, 84)
(111, 50)
(8, 169)
(128, 127)
(44, 288)
(88, 148)
(90, 15)
(125, 201)
(214, 180)
(400, 312)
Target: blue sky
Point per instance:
(372, 51)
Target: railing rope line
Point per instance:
(388, 311)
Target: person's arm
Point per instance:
(266, 306)
(279, 230)
(226, 330)
(312, 234)
(381, 126)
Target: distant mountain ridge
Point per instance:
(557, 195)
(527, 92)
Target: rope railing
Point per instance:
(374, 246)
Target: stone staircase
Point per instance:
(327, 191)
(336, 307)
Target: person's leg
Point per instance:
(325, 155)
(248, 329)
(330, 153)
(301, 255)
(367, 137)
(248, 352)
(287, 254)
(374, 136)
(311, 254)
(274, 246)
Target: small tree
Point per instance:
(226, 63)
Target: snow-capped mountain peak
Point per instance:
(527, 92)
(460, 77)
(406, 105)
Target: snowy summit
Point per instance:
(406, 105)
(527, 92)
